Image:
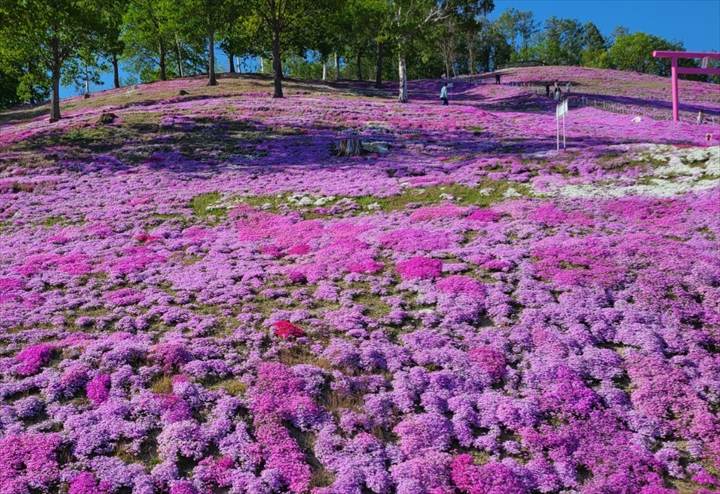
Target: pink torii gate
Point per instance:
(674, 56)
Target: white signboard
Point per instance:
(560, 111)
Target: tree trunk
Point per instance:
(324, 75)
(262, 65)
(277, 65)
(378, 65)
(471, 57)
(402, 73)
(87, 82)
(359, 65)
(447, 65)
(116, 71)
(337, 67)
(179, 56)
(231, 63)
(55, 98)
(212, 81)
(163, 72)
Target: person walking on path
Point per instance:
(444, 94)
(497, 77)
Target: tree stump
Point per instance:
(353, 146)
(106, 118)
(348, 147)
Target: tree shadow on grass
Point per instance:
(207, 147)
(23, 113)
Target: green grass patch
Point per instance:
(232, 386)
(162, 385)
(51, 221)
(373, 304)
(202, 205)
(87, 135)
(488, 192)
(485, 194)
(148, 454)
(300, 354)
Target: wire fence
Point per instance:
(602, 103)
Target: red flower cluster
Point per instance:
(285, 329)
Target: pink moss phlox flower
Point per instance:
(437, 212)
(484, 216)
(419, 268)
(98, 388)
(28, 461)
(489, 360)
(86, 483)
(171, 355)
(33, 358)
(461, 285)
(280, 395)
(490, 478)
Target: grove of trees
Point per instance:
(45, 43)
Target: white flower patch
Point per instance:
(682, 170)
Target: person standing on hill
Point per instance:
(444, 94)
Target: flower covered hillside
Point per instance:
(206, 296)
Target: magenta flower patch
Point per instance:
(31, 359)
(419, 268)
(98, 388)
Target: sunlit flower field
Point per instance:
(197, 295)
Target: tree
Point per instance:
(245, 36)
(148, 33)
(469, 15)
(22, 79)
(111, 44)
(53, 33)
(327, 35)
(203, 19)
(409, 21)
(360, 30)
(284, 21)
(634, 52)
(562, 42)
(83, 70)
(517, 27)
(494, 48)
(447, 39)
(595, 50)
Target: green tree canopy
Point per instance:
(634, 52)
(50, 34)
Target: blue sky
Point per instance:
(694, 22)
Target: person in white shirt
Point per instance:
(444, 94)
